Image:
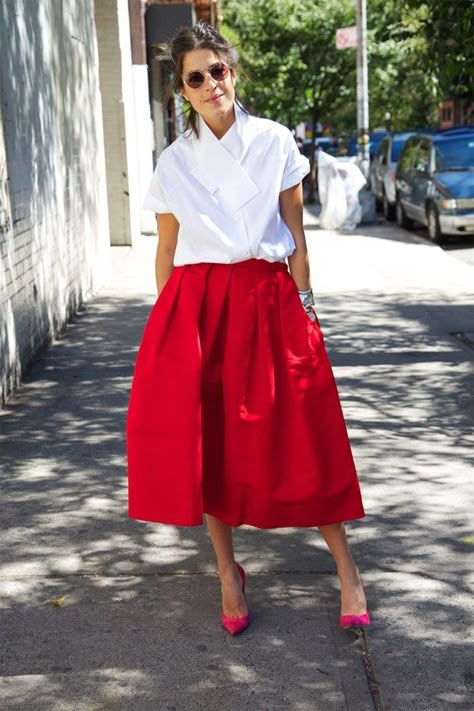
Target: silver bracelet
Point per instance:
(306, 298)
(307, 301)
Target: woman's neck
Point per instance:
(221, 125)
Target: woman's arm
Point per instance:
(291, 210)
(168, 227)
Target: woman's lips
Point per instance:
(214, 99)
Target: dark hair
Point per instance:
(200, 36)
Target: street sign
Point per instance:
(346, 37)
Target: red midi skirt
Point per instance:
(234, 409)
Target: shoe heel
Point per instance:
(243, 576)
(234, 625)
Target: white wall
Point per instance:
(54, 231)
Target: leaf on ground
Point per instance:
(58, 601)
(469, 540)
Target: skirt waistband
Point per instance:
(246, 265)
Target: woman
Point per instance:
(234, 412)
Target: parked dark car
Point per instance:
(434, 183)
(382, 171)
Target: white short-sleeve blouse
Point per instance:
(225, 193)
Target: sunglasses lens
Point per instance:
(218, 71)
(195, 80)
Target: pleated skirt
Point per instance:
(234, 410)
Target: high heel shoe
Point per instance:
(354, 620)
(234, 625)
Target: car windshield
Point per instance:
(455, 153)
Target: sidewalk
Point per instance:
(136, 625)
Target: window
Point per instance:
(397, 145)
(455, 153)
(408, 153)
(422, 160)
(446, 113)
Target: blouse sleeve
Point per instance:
(296, 166)
(155, 199)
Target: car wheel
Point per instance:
(388, 209)
(402, 219)
(434, 229)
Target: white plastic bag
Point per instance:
(339, 182)
(331, 193)
(353, 180)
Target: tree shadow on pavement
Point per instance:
(141, 602)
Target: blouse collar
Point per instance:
(218, 162)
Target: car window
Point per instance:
(374, 143)
(408, 154)
(397, 145)
(422, 158)
(455, 153)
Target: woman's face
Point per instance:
(214, 99)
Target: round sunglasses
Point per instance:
(218, 72)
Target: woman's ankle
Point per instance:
(348, 571)
(226, 568)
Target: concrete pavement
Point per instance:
(101, 612)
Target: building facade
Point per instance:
(82, 121)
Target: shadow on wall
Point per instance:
(403, 382)
(53, 138)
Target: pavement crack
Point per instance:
(372, 681)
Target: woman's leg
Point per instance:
(233, 600)
(353, 600)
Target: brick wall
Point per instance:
(54, 231)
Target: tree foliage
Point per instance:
(419, 53)
(401, 82)
(448, 28)
(287, 47)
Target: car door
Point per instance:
(421, 172)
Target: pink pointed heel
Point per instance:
(234, 625)
(354, 620)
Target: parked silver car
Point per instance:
(382, 171)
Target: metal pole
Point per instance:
(362, 89)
